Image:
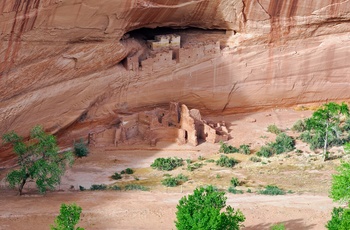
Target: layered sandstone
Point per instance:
(63, 62)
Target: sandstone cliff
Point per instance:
(63, 62)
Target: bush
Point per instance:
(255, 159)
(67, 219)
(234, 181)
(116, 176)
(202, 210)
(265, 151)
(135, 187)
(127, 171)
(115, 187)
(273, 129)
(81, 188)
(340, 183)
(233, 190)
(98, 187)
(225, 161)
(315, 140)
(299, 126)
(210, 161)
(167, 164)
(278, 227)
(81, 149)
(340, 219)
(170, 182)
(182, 177)
(272, 190)
(194, 166)
(224, 148)
(244, 149)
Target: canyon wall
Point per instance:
(61, 60)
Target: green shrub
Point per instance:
(127, 171)
(272, 190)
(299, 126)
(81, 149)
(273, 129)
(188, 161)
(210, 160)
(135, 187)
(182, 177)
(233, 190)
(340, 183)
(115, 187)
(194, 166)
(244, 149)
(224, 148)
(204, 210)
(170, 182)
(255, 159)
(167, 164)
(278, 227)
(249, 190)
(116, 176)
(340, 219)
(284, 143)
(234, 181)
(81, 188)
(201, 158)
(67, 219)
(98, 187)
(265, 151)
(225, 161)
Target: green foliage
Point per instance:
(249, 190)
(98, 187)
(233, 190)
(244, 149)
(81, 149)
(201, 158)
(225, 161)
(273, 129)
(202, 210)
(194, 166)
(278, 227)
(299, 126)
(265, 151)
(283, 143)
(116, 188)
(81, 188)
(347, 148)
(38, 159)
(116, 176)
(127, 171)
(174, 181)
(67, 219)
(340, 190)
(255, 159)
(210, 161)
(135, 187)
(167, 164)
(272, 190)
(234, 181)
(340, 219)
(224, 148)
(324, 124)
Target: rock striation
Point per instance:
(76, 66)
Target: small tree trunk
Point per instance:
(325, 145)
(20, 188)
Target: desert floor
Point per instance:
(304, 175)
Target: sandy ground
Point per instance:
(305, 174)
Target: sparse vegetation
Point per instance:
(127, 171)
(194, 166)
(255, 159)
(98, 187)
(116, 188)
(283, 143)
(272, 190)
(167, 164)
(233, 190)
(299, 126)
(67, 219)
(278, 227)
(116, 176)
(174, 181)
(202, 210)
(135, 187)
(244, 149)
(273, 129)
(225, 148)
(234, 181)
(38, 160)
(81, 149)
(225, 161)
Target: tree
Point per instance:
(38, 159)
(325, 122)
(202, 210)
(69, 217)
(340, 219)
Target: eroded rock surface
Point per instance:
(63, 62)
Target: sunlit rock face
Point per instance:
(74, 66)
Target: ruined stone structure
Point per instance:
(162, 42)
(177, 123)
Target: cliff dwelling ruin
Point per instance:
(177, 124)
